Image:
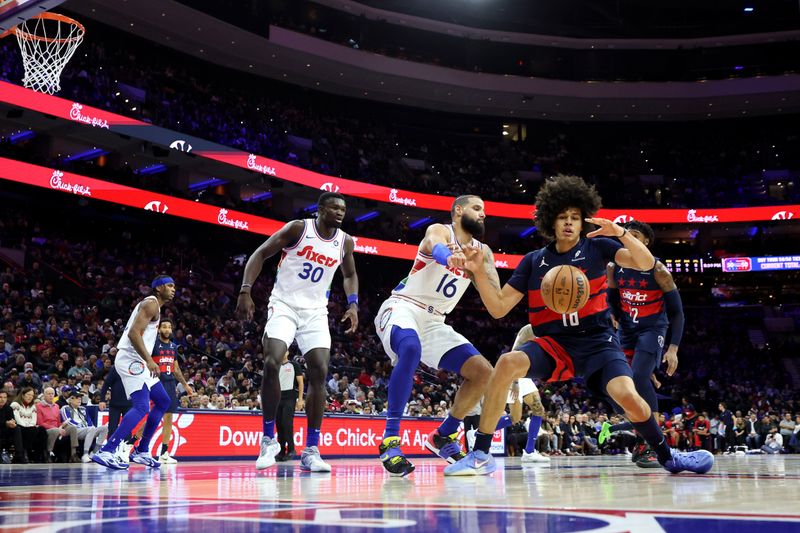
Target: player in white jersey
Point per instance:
(139, 374)
(313, 250)
(411, 326)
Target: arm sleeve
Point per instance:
(608, 247)
(672, 299)
(522, 274)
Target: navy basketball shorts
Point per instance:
(597, 357)
(644, 347)
(171, 386)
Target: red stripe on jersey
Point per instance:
(650, 309)
(565, 368)
(598, 284)
(596, 304)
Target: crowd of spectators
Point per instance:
(705, 164)
(61, 317)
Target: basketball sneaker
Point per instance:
(167, 459)
(109, 460)
(144, 458)
(476, 463)
(534, 457)
(269, 449)
(605, 432)
(639, 450)
(311, 461)
(699, 461)
(393, 459)
(649, 459)
(448, 448)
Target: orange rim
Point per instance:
(51, 16)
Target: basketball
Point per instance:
(565, 289)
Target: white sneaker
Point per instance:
(627, 453)
(165, 459)
(311, 461)
(124, 451)
(534, 457)
(86, 458)
(269, 449)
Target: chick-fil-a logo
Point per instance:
(364, 249)
(222, 218)
(399, 200)
(692, 216)
(57, 183)
(252, 164)
(783, 215)
(75, 114)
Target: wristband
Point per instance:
(440, 253)
(624, 231)
(352, 299)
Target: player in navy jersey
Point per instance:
(644, 303)
(165, 354)
(579, 344)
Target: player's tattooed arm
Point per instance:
(498, 301)
(288, 235)
(534, 401)
(664, 278)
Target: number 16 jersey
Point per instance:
(306, 269)
(435, 287)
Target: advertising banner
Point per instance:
(98, 118)
(201, 434)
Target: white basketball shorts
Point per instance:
(308, 326)
(133, 372)
(436, 337)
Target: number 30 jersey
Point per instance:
(306, 269)
(432, 286)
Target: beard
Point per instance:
(473, 226)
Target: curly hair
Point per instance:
(643, 228)
(560, 193)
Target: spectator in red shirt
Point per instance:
(48, 416)
(364, 378)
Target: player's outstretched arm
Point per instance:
(286, 236)
(672, 301)
(634, 254)
(350, 285)
(498, 301)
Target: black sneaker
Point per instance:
(638, 451)
(649, 459)
(448, 448)
(393, 459)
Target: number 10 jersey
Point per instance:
(306, 269)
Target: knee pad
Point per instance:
(405, 343)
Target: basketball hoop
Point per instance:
(47, 42)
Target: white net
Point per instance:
(47, 43)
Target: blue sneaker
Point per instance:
(144, 458)
(698, 462)
(109, 460)
(476, 463)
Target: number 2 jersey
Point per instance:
(641, 300)
(591, 256)
(306, 269)
(433, 286)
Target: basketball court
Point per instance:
(742, 493)
(608, 494)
